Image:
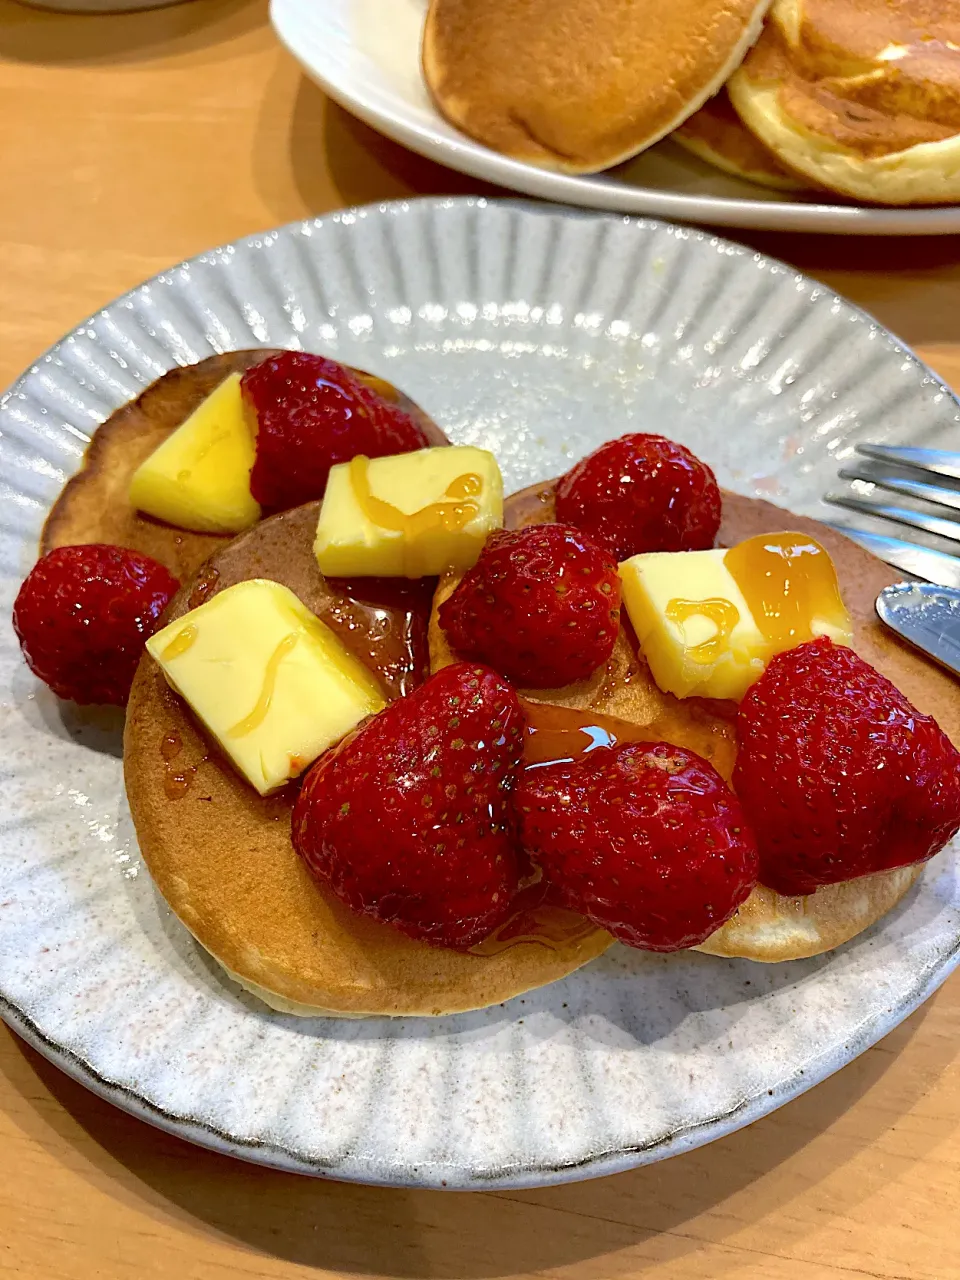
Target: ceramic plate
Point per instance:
(366, 55)
(536, 333)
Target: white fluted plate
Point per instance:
(536, 333)
(366, 55)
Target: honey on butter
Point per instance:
(412, 515)
(708, 622)
(272, 683)
(199, 478)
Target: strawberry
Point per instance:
(82, 617)
(645, 839)
(642, 493)
(312, 413)
(839, 775)
(541, 605)
(407, 819)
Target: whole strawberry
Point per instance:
(311, 413)
(407, 819)
(82, 617)
(646, 840)
(642, 493)
(838, 774)
(541, 605)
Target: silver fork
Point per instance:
(927, 613)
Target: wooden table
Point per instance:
(130, 142)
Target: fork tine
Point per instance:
(940, 462)
(935, 566)
(900, 515)
(935, 493)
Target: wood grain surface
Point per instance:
(127, 143)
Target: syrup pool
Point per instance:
(789, 582)
(564, 734)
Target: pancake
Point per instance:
(769, 926)
(717, 135)
(94, 507)
(585, 85)
(860, 96)
(222, 856)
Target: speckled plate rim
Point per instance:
(680, 1139)
(299, 24)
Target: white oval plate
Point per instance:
(537, 333)
(366, 55)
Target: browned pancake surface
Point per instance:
(873, 76)
(582, 85)
(716, 134)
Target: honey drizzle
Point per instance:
(556, 734)
(262, 705)
(176, 785)
(789, 581)
(451, 516)
(722, 613)
(562, 733)
(204, 585)
(180, 643)
(535, 922)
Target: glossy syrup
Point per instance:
(562, 733)
(176, 780)
(789, 581)
(384, 622)
(722, 613)
(180, 643)
(203, 586)
(267, 689)
(536, 920)
(556, 734)
(449, 517)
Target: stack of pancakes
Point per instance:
(858, 97)
(222, 855)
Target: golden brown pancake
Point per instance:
(222, 856)
(860, 96)
(716, 134)
(582, 85)
(94, 507)
(769, 926)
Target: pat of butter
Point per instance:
(708, 622)
(269, 680)
(412, 515)
(199, 478)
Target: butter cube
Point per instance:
(199, 478)
(271, 682)
(695, 628)
(708, 622)
(412, 515)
